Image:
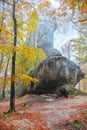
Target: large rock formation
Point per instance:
(44, 35)
(55, 73)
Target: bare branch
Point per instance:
(79, 21)
(17, 1)
(7, 2)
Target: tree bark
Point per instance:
(1, 62)
(2, 56)
(12, 96)
(3, 93)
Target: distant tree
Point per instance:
(79, 8)
(67, 49)
(5, 81)
(80, 45)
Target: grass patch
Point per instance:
(1, 113)
(86, 112)
(76, 125)
(73, 91)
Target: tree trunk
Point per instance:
(3, 93)
(2, 56)
(1, 62)
(12, 96)
(5, 75)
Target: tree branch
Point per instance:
(79, 21)
(7, 2)
(17, 1)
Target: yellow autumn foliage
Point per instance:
(2, 28)
(32, 21)
(29, 58)
(5, 82)
(25, 26)
(8, 49)
(80, 4)
(25, 79)
(29, 52)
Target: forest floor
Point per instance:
(35, 112)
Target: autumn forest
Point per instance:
(27, 32)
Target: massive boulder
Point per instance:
(55, 73)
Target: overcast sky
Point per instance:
(61, 38)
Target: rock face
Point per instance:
(46, 31)
(55, 73)
(44, 35)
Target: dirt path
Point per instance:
(43, 113)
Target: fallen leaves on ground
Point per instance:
(38, 113)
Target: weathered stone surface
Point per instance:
(55, 73)
(44, 35)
